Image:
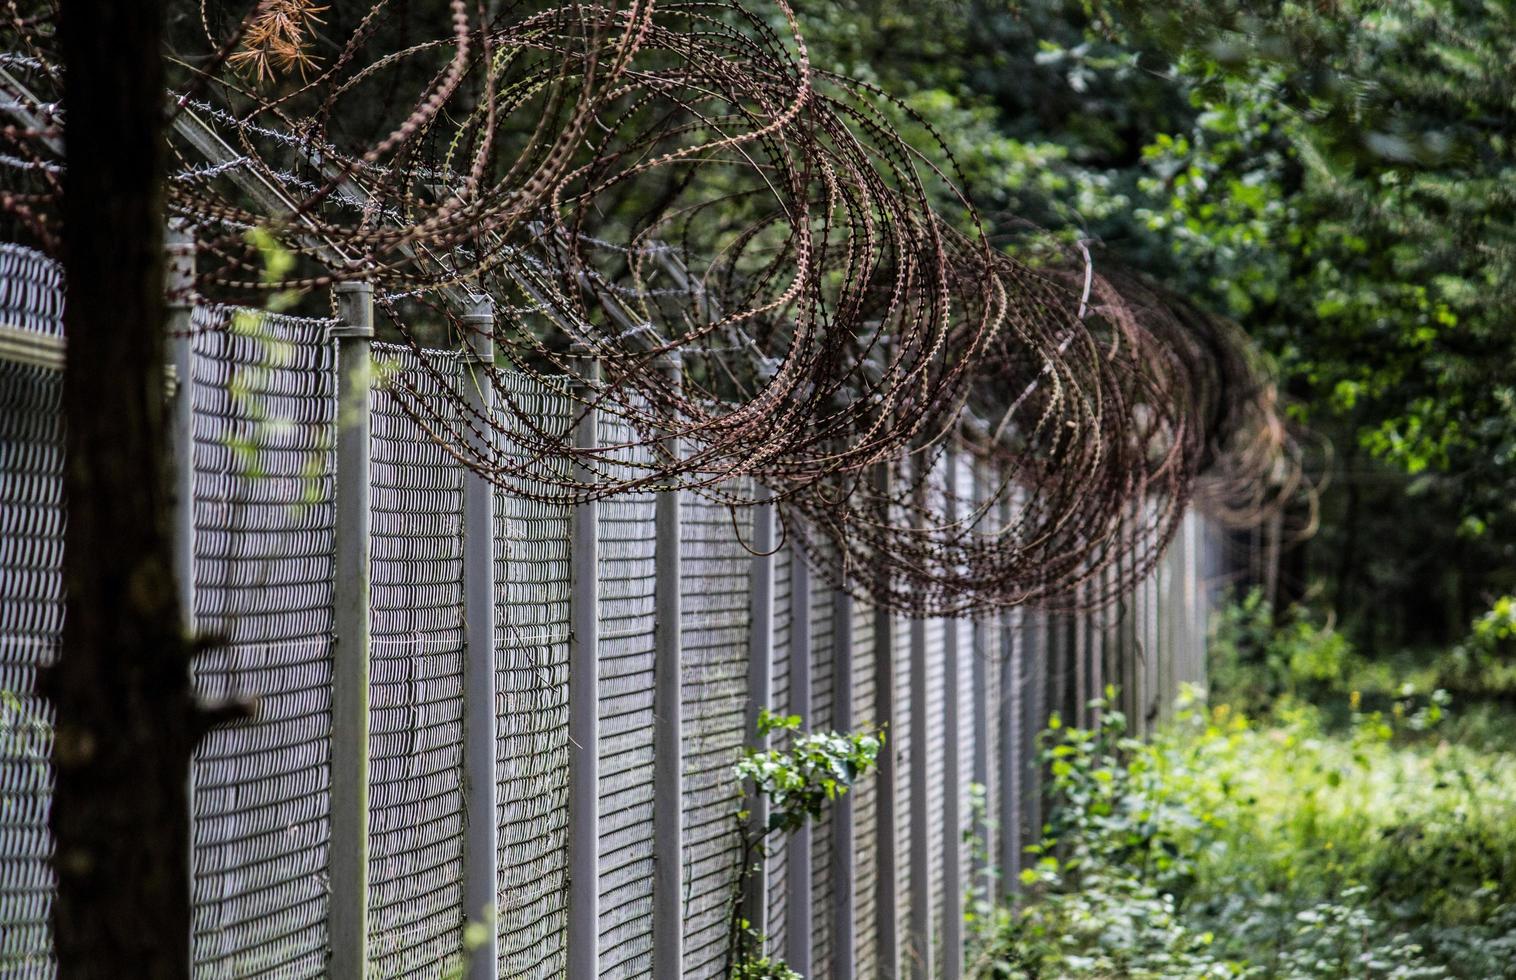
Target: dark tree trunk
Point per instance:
(121, 687)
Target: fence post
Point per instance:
(981, 684)
(179, 281)
(760, 683)
(179, 284)
(1033, 639)
(844, 875)
(668, 724)
(952, 776)
(798, 920)
(354, 333)
(481, 821)
(920, 949)
(1011, 764)
(920, 939)
(886, 826)
(583, 689)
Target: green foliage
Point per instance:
(1340, 178)
(816, 768)
(1256, 658)
(757, 965)
(1226, 849)
(1486, 659)
(797, 780)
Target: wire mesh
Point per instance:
(31, 611)
(416, 675)
(821, 718)
(865, 800)
(778, 856)
(532, 747)
(903, 731)
(627, 540)
(934, 731)
(263, 428)
(715, 580)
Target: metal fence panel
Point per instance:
(416, 672)
(778, 857)
(820, 718)
(865, 800)
(31, 610)
(715, 634)
(532, 633)
(903, 734)
(262, 391)
(627, 540)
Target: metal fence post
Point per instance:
(481, 821)
(350, 669)
(760, 683)
(583, 690)
(952, 776)
(920, 949)
(886, 826)
(668, 724)
(1011, 764)
(844, 874)
(798, 873)
(1033, 638)
(981, 684)
(179, 283)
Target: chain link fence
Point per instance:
(875, 889)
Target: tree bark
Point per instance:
(121, 687)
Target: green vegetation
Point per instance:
(1328, 815)
(1338, 178)
(797, 780)
(1287, 847)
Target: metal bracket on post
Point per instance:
(668, 725)
(844, 875)
(760, 684)
(584, 707)
(481, 821)
(798, 921)
(886, 826)
(350, 597)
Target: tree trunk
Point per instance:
(121, 687)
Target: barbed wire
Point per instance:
(682, 223)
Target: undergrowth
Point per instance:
(1227, 847)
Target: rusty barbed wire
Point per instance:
(681, 222)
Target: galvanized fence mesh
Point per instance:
(819, 717)
(627, 574)
(415, 673)
(777, 861)
(263, 433)
(31, 608)
(532, 585)
(715, 578)
(264, 470)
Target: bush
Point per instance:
(1225, 848)
(1258, 658)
